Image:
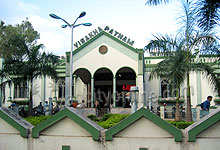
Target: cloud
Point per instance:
(27, 7)
(52, 35)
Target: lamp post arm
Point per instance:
(73, 25)
(71, 66)
(66, 22)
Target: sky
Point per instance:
(133, 18)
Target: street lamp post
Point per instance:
(72, 26)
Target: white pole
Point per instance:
(71, 67)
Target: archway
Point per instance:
(103, 81)
(82, 85)
(125, 78)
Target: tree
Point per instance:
(186, 44)
(207, 12)
(14, 40)
(26, 62)
(175, 67)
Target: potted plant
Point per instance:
(74, 103)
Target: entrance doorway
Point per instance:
(103, 81)
(85, 77)
(125, 78)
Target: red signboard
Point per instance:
(127, 87)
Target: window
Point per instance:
(64, 147)
(61, 89)
(61, 92)
(20, 91)
(143, 148)
(167, 89)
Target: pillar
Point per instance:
(141, 91)
(114, 92)
(43, 84)
(92, 92)
(67, 92)
(198, 87)
(55, 90)
(74, 86)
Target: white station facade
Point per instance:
(105, 66)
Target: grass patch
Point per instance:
(36, 120)
(108, 120)
(180, 124)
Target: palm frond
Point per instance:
(162, 44)
(208, 14)
(186, 18)
(157, 2)
(202, 41)
(209, 72)
(173, 68)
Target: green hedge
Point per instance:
(93, 118)
(36, 120)
(108, 120)
(180, 124)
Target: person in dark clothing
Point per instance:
(206, 104)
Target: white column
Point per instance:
(141, 91)
(114, 91)
(92, 92)
(67, 92)
(74, 86)
(43, 97)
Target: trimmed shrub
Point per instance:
(107, 116)
(36, 120)
(110, 120)
(180, 124)
(93, 118)
(183, 125)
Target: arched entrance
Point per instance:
(82, 85)
(125, 78)
(103, 81)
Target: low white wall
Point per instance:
(10, 138)
(13, 142)
(143, 133)
(136, 143)
(56, 142)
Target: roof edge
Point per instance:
(147, 114)
(110, 36)
(60, 115)
(201, 125)
(23, 131)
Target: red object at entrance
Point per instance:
(127, 87)
(74, 104)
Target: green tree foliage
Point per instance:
(182, 51)
(15, 40)
(25, 61)
(207, 12)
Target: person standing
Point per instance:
(206, 104)
(46, 108)
(97, 107)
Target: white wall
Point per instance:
(10, 138)
(81, 90)
(113, 59)
(65, 132)
(141, 134)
